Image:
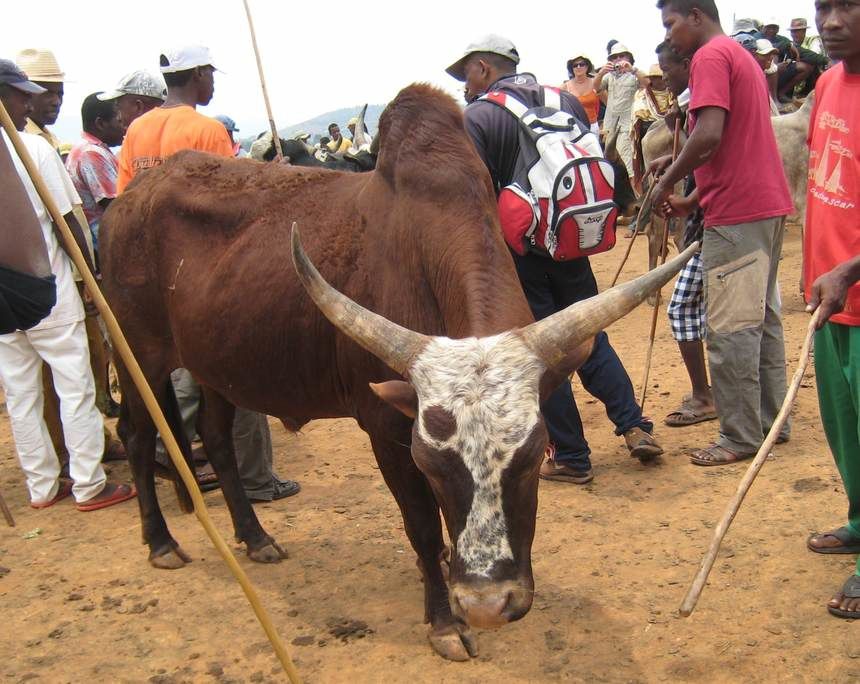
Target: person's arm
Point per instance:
(601, 73)
(80, 240)
(700, 147)
(22, 245)
(830, 290)
(641, 76)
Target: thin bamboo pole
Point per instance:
(698, 584)
(275, 137)
(664, 251)
(121, 347)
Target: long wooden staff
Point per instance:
(276, 139)
(698, 585)
(121, 346)
(664, 251)
(6, 512)
(645, 201)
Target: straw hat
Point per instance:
(655, 70)
(40, 65)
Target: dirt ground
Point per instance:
(612, 561)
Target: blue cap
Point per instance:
(11, 75)
(229, 124)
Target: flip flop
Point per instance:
(111, 494)
(207, 479)
(718, 456)
(63, 491)
(687, 414)
(851, 589)
(850, 541)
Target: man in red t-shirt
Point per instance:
(743, 192)
(832, 267)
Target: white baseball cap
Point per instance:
(498, 45)
(764, 47)
(185, 58)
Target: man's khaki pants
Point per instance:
(746, 352)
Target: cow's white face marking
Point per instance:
(490, 386)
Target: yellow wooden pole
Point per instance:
(121, 347)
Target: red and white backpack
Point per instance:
(561, 199)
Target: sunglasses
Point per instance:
(579, 64)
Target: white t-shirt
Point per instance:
(69, 308)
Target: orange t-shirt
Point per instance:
(590, 102)
(164, 131)
(832, 234)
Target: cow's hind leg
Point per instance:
(216, 426)
(139, 435)
(450, 637)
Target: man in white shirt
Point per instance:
(60, 340)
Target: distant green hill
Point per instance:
(318, 126)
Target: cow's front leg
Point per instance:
(216, 430)
(451, 638)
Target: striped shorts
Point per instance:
(686, 309)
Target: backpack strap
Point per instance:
(551, 98)
(507, 102)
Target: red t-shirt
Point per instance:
(744, 181)
(832, 233)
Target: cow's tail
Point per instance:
(174, 420)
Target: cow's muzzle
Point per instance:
(490, 605)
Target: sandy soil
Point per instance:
(611, 561)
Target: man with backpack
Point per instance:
(550, 255)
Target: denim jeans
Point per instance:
(551, 286)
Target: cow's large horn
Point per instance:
(395, 345)
(358, 138)
(553, 338)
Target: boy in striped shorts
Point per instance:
(687, 307)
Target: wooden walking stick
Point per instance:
(645, 201)
(276, 139)
(698, 585)
(131, 364)
(6, 512)
(664, 251)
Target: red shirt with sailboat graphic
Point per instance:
(832, 233)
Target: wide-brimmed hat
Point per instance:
(40, 65)
(11, 75)
(140, 83)
(764, 47)
(579, 58)
(498, 45)
(744, 26)
(655, 70)
(798, 24)
(620, 49)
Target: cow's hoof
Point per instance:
(270, 553)
(455, 642)
(172, 558)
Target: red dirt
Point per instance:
(612, 562)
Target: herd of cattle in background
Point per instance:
(411, 243)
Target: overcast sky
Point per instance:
(336, 54)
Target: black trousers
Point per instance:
(551, 286)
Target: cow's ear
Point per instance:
(401, 395)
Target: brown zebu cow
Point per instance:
(197, 267)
